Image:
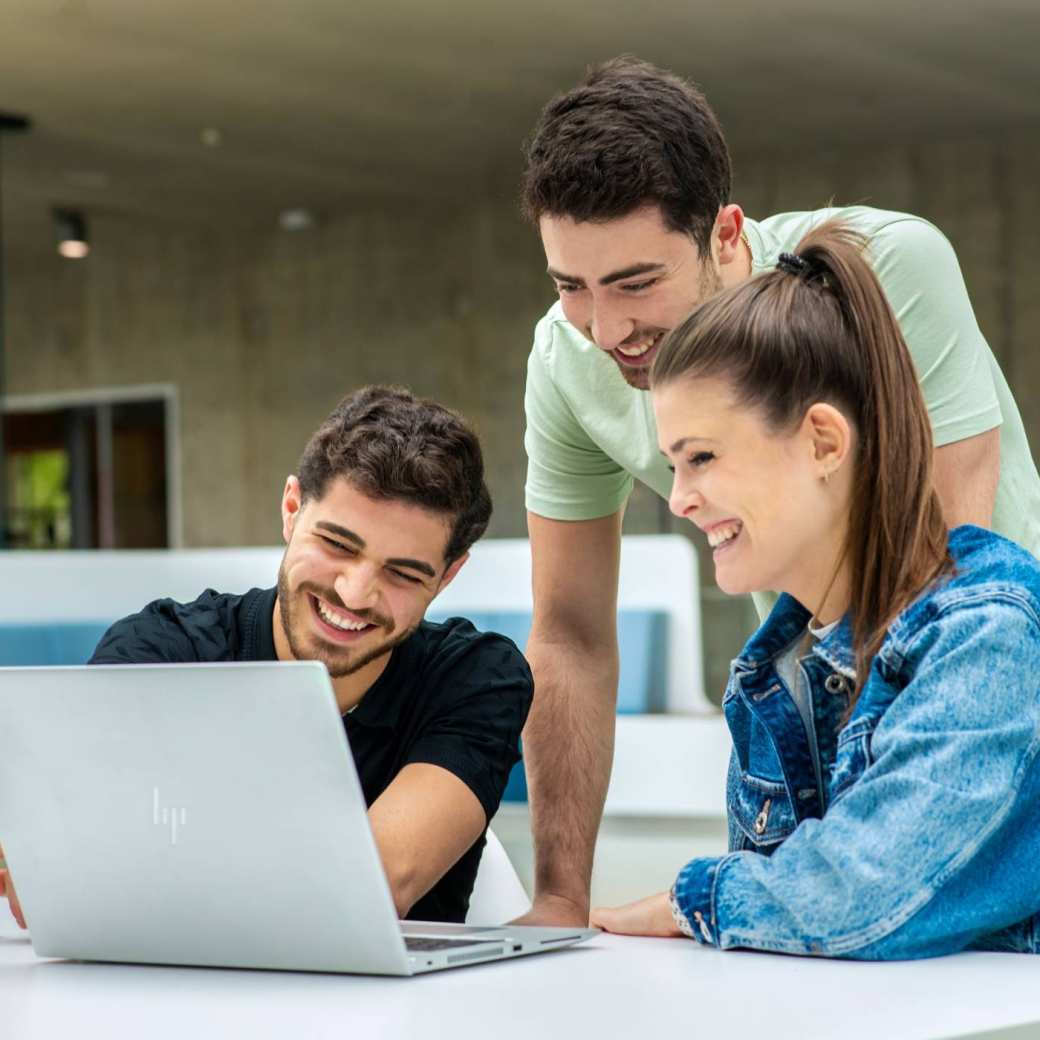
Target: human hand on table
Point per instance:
(650, 916)
(7, 890)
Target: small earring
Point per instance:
(826, 476)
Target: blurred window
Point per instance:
(90, 476)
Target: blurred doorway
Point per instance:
(91, 471)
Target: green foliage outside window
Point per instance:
(38, 506)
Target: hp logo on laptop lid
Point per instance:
(173, 818)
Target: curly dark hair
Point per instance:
(629, 135)
(392, 445)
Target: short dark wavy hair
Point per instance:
(392, 445)
(629, 135)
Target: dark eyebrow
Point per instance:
(350, 536)
(615, 276)
(343, 532)
(681, 443)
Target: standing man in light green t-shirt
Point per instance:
(628, 181)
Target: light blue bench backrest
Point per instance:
(642, 644)
(60, 643)
(642, 639)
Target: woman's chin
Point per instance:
(735, 584)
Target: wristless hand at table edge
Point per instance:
(7, 890)
(651, 916)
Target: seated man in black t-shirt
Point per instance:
(389, 498)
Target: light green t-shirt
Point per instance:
(589, 434)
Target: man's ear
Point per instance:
(449, 574)
(728, 225)
(829, 438)
(291, 505)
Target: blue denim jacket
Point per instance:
(922, 835)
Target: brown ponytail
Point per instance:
(821, 330)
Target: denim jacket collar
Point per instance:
(785, 623)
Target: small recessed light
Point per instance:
(296, 219)
(74, 249)
(211, 137)
(71, 231)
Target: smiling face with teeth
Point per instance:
(624, 283)
(757, 493)
(356, 579)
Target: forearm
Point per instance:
(966, 477)
(568, 751)
(422, 823)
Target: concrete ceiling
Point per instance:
(329, 104)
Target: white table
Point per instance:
(613, 987)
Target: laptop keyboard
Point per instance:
(417, 944)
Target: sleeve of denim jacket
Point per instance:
(936, 844)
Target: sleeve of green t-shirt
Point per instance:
(569, 477)
(922, 279)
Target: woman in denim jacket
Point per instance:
(884, 787)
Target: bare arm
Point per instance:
(569, 737)
(966, 476)
(423, 823)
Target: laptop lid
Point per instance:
(203, 814)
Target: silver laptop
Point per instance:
(210, 815)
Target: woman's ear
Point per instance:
(829, 437)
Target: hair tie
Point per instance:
(792, 263)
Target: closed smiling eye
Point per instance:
(635, 287)
(338, 546)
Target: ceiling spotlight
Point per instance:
(71, 229)
(296, 219)
(211, 137)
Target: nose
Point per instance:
(357, 586)
(684, 499)
(608, 327)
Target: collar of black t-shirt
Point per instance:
(382, 702)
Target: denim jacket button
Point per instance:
(762, 819)
(835, 683)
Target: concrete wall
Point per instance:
(262, 331)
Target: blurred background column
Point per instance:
(8, 124)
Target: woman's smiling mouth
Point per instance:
(721, 536)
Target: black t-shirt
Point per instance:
(450, 696)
